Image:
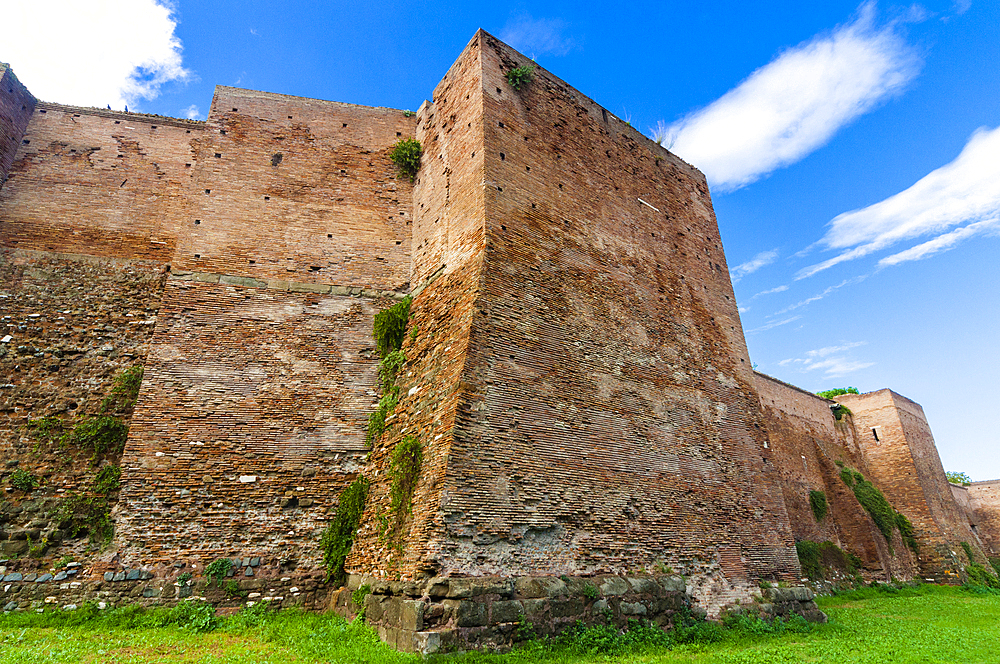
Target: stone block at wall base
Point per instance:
(496, 613)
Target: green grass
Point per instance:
(925, 624)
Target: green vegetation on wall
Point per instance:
(404, 470)
(23, 480)
(817, 501)
(217, 570)
(837, 391)
(390, 327)
(124, 392)
(406, 155)
(819, 559)
(338, 538)
(520, 76)
(958, 478)
(875, 503)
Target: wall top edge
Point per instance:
(261, 94)
(121, 115)
(585, 100)
(794, 387)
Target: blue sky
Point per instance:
(853, 150)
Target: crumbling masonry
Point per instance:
(595, 444)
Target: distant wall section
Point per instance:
(984, 499)
(806, 444)
(16, 106)
(896, 440)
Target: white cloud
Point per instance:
(829, 360)
(537, 36)
(113, 52)
(754, 264)
(965, 191)
(820, 296)
(771, 291)
(940, 243)
(192, 112)
(795, 104)
(773, 324)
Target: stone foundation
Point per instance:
(497, 613)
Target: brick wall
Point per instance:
(806, 442)
(897, 442)
(69, 325)
(298, 189)
(16, 105)
(250, 421)
(984, 498)
(448, 242)
(100, 183)
(606, 417)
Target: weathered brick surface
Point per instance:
(299, 189)
(16, 105)
(250, 422)
(69, 325)
(897, 442)
(805, 443)
(984, 499)
(606, 417)
(101, 183)
(449, 242)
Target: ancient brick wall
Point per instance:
(100, 183)
(250, 422)
(984, 499)
(806, 442)
(448, 244)
(262, 371)
(606, 417)
(298, 189)
(69, 324)
(16, 105)
(897, 442)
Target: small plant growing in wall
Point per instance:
(108, 479)
(404, 470)
(217, 570)
(518, 77)
(124, 392)
(406, 155)
(338, 538)
(817, 501)
(22, 480)
(101, 435)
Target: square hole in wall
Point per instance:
(218, 155)
(267, 198)
(208, 191)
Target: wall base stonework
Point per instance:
(497, 613)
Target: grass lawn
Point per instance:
(927, 624)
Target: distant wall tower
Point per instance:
(896, 441)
